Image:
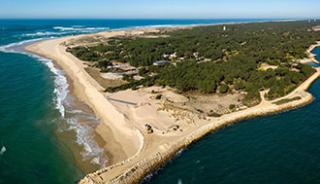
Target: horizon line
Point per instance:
(154, 18)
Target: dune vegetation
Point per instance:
(246, 58)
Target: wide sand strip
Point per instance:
(89, 91)
(135, 152)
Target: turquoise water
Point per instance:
(278, 149)
(48, 138)
(27, 117)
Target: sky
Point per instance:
(179, 9)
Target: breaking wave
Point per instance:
(12, 47)
(3, 150)
(64, 31)
(61, 84)
(80, 29)
(84, 133)
(45, 33)
(85, 138)
(60, 81)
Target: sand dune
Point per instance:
(123, 116)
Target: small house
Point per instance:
(161, 63)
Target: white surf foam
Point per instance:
(60, 81)
(84, 133)
(92, 151)
(46, 33)
(3, 149)
(62, 31)
(80, 29)
(11, 48)
(61, 84)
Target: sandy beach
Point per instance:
(132, 151)
(312, 57)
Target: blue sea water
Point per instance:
(19, 30)
(277, 149)
(43, 139)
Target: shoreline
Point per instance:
(70, 104)
(311, 55)
(77, 89)
(138, 171)
(133, 157)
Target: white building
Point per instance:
(161, 63)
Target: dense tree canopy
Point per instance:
(211, 60)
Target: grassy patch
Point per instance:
(287, 100)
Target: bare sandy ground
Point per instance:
(124, 115)
(123, 140)
(312, 57)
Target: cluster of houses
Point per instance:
(118, 70)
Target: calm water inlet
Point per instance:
(277, 149)
(42, 139)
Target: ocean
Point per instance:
(46, 135)
(278, 149)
